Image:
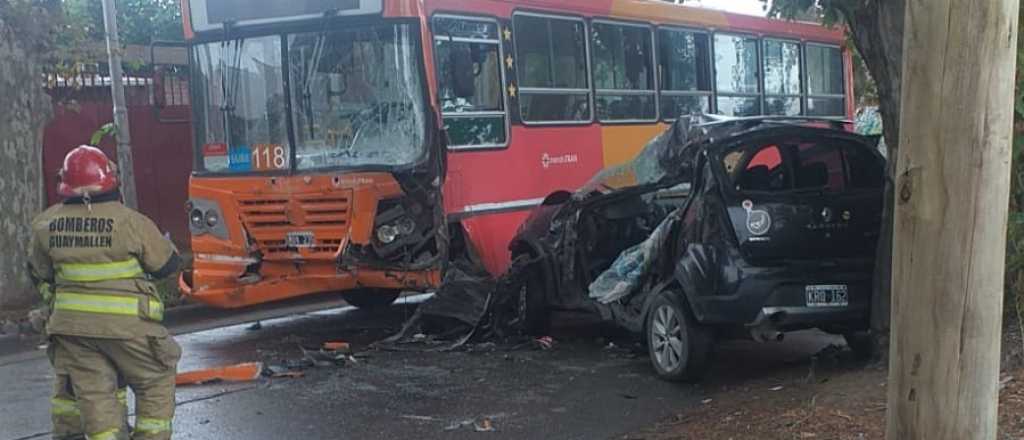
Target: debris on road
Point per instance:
(484, 425)
(255, 326)
(340, 346)
(420, 418)
(545, 342)
(327, 358)
(232, 373)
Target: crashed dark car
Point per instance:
(749, 227)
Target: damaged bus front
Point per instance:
(319, 157)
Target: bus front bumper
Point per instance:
(220, 286)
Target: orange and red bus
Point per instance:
(357, 145)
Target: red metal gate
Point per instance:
(160, 130)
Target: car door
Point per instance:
(802, 197)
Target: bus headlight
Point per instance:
(204, 217)
(212, 219)
(196, 218)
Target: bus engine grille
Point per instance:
(305, 225)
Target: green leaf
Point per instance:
(107, 129)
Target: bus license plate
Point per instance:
(299, 239)
(827, 295)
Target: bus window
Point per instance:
(551, 54)
(736, 75)
(824, 81)
(473, 118)
(782, 77)
(685, 60)
(623, 66)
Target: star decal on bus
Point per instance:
(508, 61)
(512, 90)
(508, 34)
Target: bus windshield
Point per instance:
(357, 97)
(356, 100)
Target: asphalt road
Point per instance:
(581, 389)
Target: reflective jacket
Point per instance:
(94, 264)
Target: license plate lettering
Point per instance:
(827, 295)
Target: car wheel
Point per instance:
(370, 299)
(861, 344)
(531, 302)
(680, 349)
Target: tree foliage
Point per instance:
(139, 21)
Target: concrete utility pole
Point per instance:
(125, 164)
(952, 190)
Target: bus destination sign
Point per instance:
(212, 14)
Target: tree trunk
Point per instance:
(25, 109)
(876, 28)
(949, 235)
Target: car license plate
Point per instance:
(827, 295)
(299, 239)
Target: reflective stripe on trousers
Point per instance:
(92, 272)
(147, 425)
(121, 305)
(110, 434)
(64, 407)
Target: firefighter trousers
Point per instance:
(64, 411)
(147, 364)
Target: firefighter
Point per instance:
(98, 259)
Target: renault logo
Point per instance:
(826, 215)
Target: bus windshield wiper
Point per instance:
(229, 82)
(314, 67)
(307, 82)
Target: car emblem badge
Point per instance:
(826, 215)
(759, 222)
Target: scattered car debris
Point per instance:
(776, 388)
(420, 418)
(458, 425)
(326, 358)
(258, 325)
(233, 373)
(484, 425)
(545, 342)
(337, 346)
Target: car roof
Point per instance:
(682, 142)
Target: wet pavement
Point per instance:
(583, 388)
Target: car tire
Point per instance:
(862, 344)
(371, 299)
(531, 301)
(679, 348)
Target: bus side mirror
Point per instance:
(464, 80)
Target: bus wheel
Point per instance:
(369, 299)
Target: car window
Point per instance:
(764, 171)
(829, 166)
(863, 169)
(820, 166)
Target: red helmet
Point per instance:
(86, 172)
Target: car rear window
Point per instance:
(829, 166)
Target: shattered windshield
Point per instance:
(357, 97)
(239, 105)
